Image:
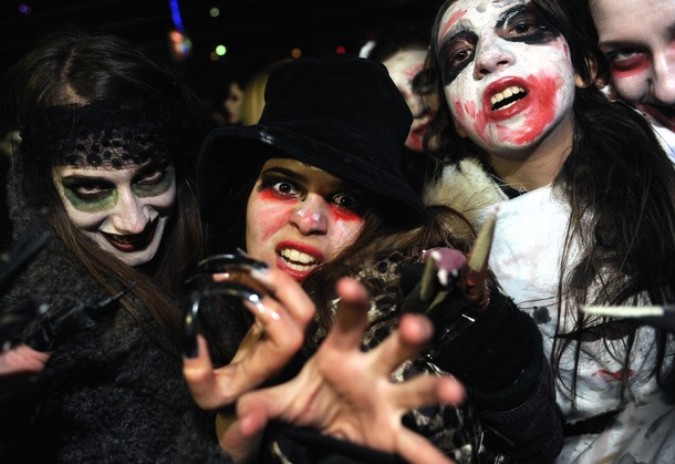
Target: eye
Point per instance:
(285, 188)
(90, 191)
(151, 178)
(626, 58)
(348, 200)
(460, 57)
(523, 29)
(458, 53)
(281, 187)
(527, 24)
(154, 181)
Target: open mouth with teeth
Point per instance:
(507, 97)
(297, 260)
(131, 243)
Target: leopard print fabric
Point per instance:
(456, 431)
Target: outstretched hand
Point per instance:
(346, 393)
(277, 334)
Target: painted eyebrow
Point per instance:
(277, 170)
(507, 15)
(630, 43)
(83, 179)
(152, 166)
(463, 25)
(614, 44)
(463, 34)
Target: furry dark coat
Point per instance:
(113, 392)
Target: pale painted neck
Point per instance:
(538, 165)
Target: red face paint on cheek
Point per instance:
(271, 212)
(631, 67)
(541, 110)
(271, 195)
(468, 117)
(344, 215)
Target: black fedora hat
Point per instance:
(341, 114)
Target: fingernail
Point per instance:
(261, 273)
(262, 309)
(189, 343)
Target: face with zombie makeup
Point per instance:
(403, 66)
(638, 39)
(123, 210)
(299, 216)
(508, 78)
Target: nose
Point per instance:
(310, 215)
(664, 80)
(491, 57)
(129, 217)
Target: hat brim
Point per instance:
(228, 153)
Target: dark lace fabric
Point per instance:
(106, 133)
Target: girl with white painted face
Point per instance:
(589, 217)
(403, 51)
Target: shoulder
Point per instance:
(464, 186)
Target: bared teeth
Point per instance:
(507, 97)
(298, 260)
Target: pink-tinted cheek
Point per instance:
(271, 213)
(346, 227)
(540, 114)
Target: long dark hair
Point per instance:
(444, 227)
(620, 186)
(72, 66)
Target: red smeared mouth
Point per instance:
(131, 243)
(663, 114)
(297, 259)
(505, 98)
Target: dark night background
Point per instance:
(254, 31)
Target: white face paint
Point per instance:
(403, 66)
(124, 211)
(509, 80)
(638, 38)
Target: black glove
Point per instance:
(499, 357)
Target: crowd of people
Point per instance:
(390, 259)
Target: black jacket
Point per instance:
(111, 392)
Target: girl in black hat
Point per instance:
(315, 189)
